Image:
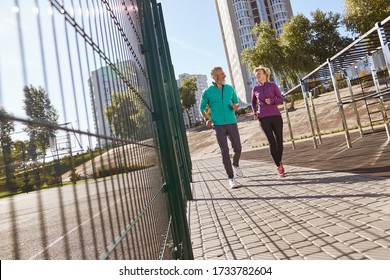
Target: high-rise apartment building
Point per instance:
(236, 19)
(103, 83)
(201, 82)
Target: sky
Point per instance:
(194, 35)
(66, 86)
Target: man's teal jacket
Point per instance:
(220, 104)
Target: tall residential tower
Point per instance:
(201, 82)
(236, 19)
(103, 83)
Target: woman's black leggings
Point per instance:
(273, 129)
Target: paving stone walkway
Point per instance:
(309, 214)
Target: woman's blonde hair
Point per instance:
(266, 70)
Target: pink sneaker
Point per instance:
(281, 170)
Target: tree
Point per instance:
(276, 53)
(267, 51)
(361, 15)
(6, 128)
(38, 108)
(127, 116)
(326, 40)
(301, 46)
(20, 157)
(20, 152)
(295, 40)
(187, 95)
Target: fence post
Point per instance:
(384, 45)
(339, 104)
(315, 117)
(304, 93)
(354, 104)
(384, 114)
(381, 100)
(289, 124)
(374, 73)
(152, 50)
(386, 54)
(173, 92)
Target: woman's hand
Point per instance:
(268, 101)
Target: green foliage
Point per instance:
(19, 152)
(38, 108)
(240, 111)
(6, 128)
(30, 176)
(128, 117)
(187, 94)
(361, 15)
(53, 179)
(294, 96)
(244, 111)
(74, 176)
(301, 46)
(326, 41)
(277, 53)
(208, 112)
(296, 43)
(267, 51)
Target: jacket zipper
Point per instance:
(223, 107)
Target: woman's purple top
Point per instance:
(260, 93)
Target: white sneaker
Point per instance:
(233, 184)
(238, 171)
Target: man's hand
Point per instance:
(235, 107)
(209, 123)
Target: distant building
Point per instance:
(201, 81)
(102, 83)
(236, 19)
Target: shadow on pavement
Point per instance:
(369, 155)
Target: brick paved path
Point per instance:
(309, 214)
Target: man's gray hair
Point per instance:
(214, 70)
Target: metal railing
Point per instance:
(94, 161)
(340, 74)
